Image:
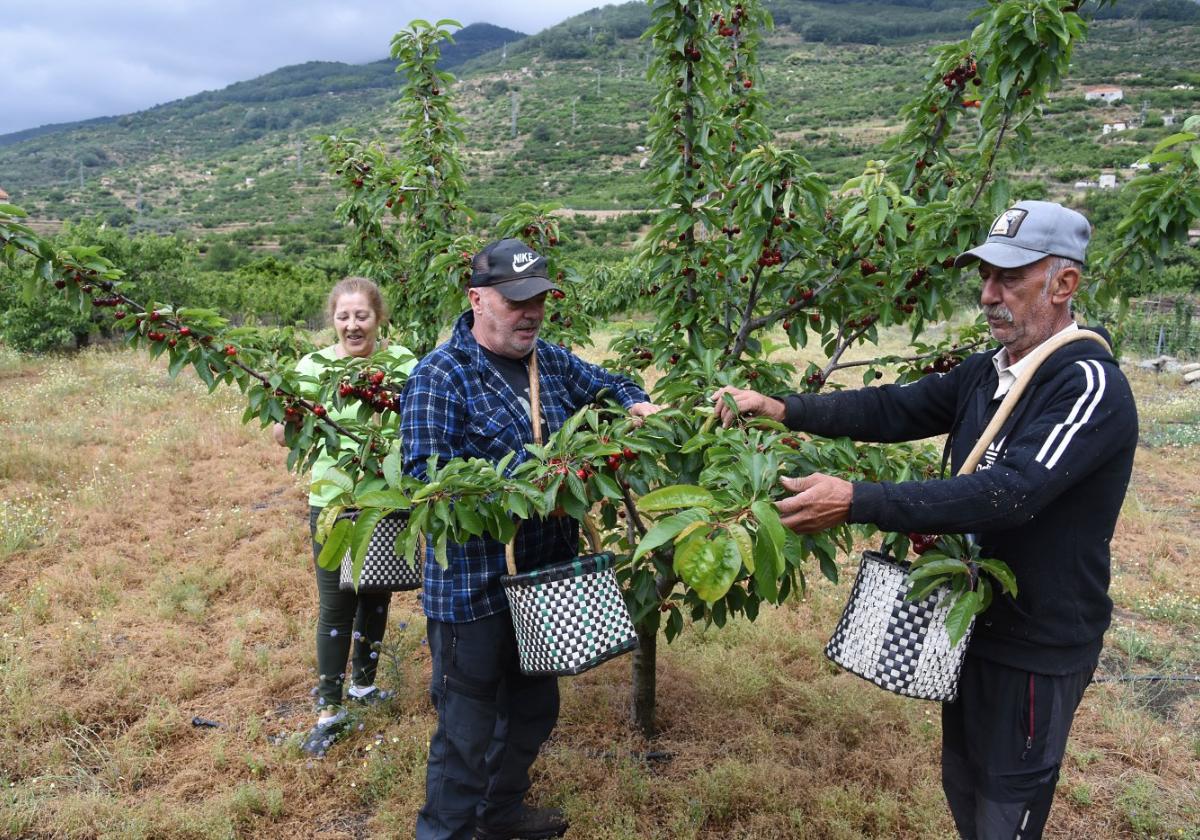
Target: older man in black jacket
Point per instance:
(1045, 500)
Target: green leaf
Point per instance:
(878, 212)
(1002, 573)
(338, 478)
(944, 566)
(741, 538)
(334, 548)
(766, 569)
(468, 519)
(392, 499)
(392, 467)
(1173, 140)
(364, 527)
(769, 522)
(607, 486)
(709, 567)
(964, 610)
(665, 530)
(676, 496)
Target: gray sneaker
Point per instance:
(371, 698)
(323, 735)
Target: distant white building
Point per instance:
(1108, 180)
(1107, 93)
(1139, 166)
(1085, 185)
(1183, 87)
(1169, 119)
(1109, 128)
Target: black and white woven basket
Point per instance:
(569, 617)
(383, 570)
(897, 644)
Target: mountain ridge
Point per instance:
(541, 127)
(469, 42)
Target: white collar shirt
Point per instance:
(1007, 374)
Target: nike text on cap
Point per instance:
(511, 268)
(1029, 231)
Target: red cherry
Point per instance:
(319, 410)
(185, 331)
(581, 473)
(230, 350)
(922, 543)
(628, 454)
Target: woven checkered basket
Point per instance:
(899, 645)
(569, 617)
(383, 570)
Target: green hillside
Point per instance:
(241, 162)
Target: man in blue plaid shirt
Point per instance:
(470, 398)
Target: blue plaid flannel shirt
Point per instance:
(456, 404)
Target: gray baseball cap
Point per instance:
(1029, 231)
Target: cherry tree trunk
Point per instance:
(645, 658)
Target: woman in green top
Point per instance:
(356, 310)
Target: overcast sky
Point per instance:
(68, 60)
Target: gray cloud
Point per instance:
(71, 60)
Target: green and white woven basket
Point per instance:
(569, 617)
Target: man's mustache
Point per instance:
(997, 312)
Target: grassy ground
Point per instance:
(156, 568)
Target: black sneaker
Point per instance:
(322, 736)
(532, 824)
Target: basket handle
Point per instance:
(535, 420)
(1014, 394)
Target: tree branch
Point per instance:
(995, 151)
(894, 359)
(743, 336)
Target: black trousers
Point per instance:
(1003, 742)
(345, 618)
(492, 720)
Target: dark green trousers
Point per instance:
(345, 617)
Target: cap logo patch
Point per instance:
(1008, 222)
(523, 260)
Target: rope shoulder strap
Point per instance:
(1045, 351)
(535, 418)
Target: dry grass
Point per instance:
(157, 567)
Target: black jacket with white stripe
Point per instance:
(1044, 499)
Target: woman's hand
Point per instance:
(277, 433)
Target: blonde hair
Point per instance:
(357, 285)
